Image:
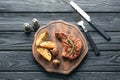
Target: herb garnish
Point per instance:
(72, 44)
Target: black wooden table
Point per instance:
(16, 60)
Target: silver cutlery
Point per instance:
(88, 19)
(97, 52)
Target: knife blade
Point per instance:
(88, 19)
(97, 52)
(80, 11)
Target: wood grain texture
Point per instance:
(49, 76)
(16, 59)
(65, 66)
(23, 61)
(15, 21)
(20, 41)
(58, 6)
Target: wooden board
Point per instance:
(58, 5)
(19, 41)
(23, 61)
(49, 76)
(66, 66)
(14, 21)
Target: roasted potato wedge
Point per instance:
(42, 37)
(45, 53)
(48, 44)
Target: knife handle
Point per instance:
(101, 31)
(97, 52)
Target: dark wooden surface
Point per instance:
(16, 60)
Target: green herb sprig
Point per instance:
(72, 44)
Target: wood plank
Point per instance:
(20, 41)
(15, 21)
(58, 6)
(49, 76)
(24, 61)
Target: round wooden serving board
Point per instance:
(66, 66)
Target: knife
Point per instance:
(88, 19)
(97, 52)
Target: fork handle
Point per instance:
(97, 52)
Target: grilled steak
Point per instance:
(72, 46)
